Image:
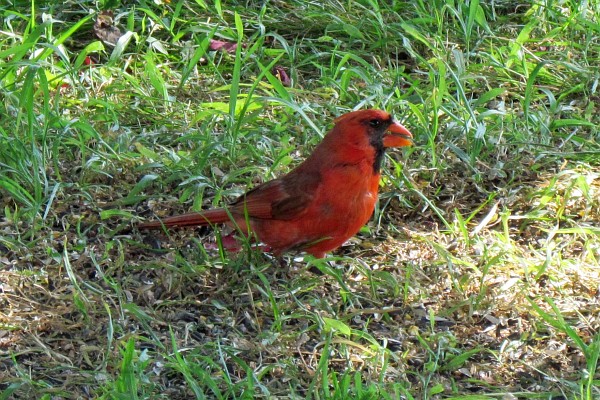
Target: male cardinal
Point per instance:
(322, 202)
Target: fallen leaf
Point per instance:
(280, 73)
(105, 29)
(228, 47)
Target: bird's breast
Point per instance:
(348, 194)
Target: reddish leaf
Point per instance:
(228, 47)
(280, 73)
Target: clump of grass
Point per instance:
(477, 277)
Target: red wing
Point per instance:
(283, 199)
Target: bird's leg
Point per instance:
(229, 242)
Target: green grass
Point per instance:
(477, 278)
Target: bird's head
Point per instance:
(380, 127)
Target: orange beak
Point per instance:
(398, 136)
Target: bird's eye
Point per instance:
(375, 123)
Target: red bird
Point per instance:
(322, 202)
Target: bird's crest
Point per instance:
(363, 114)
